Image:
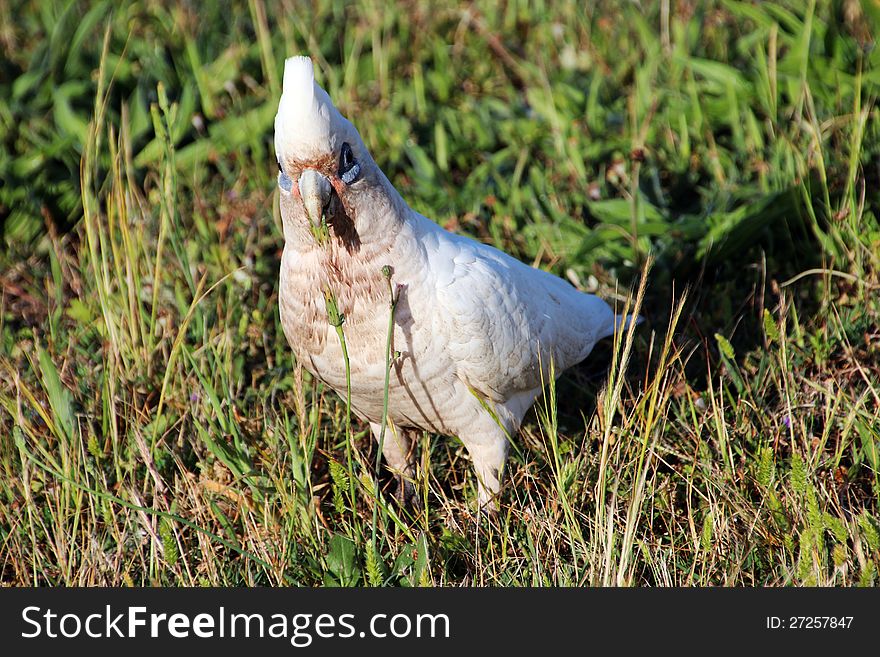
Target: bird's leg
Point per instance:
(397, 449)
(488, 449)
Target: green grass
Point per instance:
(155, 430)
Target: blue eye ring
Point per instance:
(285, 182)
(352, 174)
(349, 169)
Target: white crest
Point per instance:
(307, 122)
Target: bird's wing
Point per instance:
(503, 321)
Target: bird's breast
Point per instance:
(417, 385)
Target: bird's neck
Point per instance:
(379, 221)
(369, 227)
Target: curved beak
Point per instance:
(315, 190)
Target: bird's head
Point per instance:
(330, 186)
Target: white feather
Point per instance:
(475, 328)
(307, 121)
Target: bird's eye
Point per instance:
(346, 158)
(349, 169)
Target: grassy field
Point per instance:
(154, 429)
